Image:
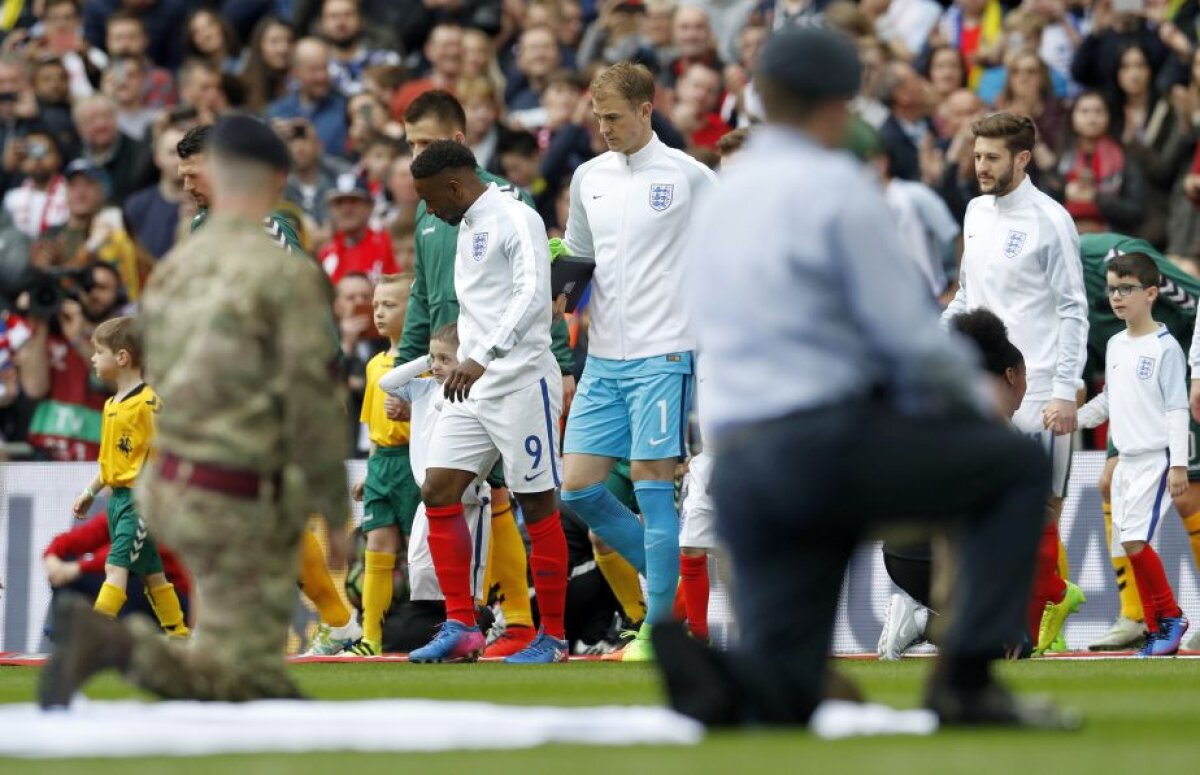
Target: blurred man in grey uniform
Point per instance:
(835, 403)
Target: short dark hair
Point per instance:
(447, 333)
(517, 141)
(1137, 265)
(124, 15)
(194, 142)
(987, 331)
(440, 105)
(1017, 132)
(440, 156)
(120, 334)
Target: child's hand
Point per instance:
(1177, 481)
(357, 492)
(82, 504)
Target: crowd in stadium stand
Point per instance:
(95, 94)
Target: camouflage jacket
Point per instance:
(237, 345)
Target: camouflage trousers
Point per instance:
(242, 554)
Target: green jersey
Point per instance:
(433, 302)
(277, 225)
(1178, 294)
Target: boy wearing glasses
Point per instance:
(1145, 396)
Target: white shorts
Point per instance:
(1139, 498)
(422, 578)
(521, 428)
(698, 528)
(1029, 420)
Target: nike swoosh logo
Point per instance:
(657, 442)
(597, 196)
(534, 476)
(429, 230)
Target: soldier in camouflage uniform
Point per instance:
(235, 338)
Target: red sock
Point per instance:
(694, 572)
(1048, 586)
(679, 608)
(548, 561)
(1157, 598)
(450, 547)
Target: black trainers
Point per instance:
(994, 705)
(85, 644)
(698, 680)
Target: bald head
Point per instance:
(310, 68)
(692, 32)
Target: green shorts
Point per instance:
(620, 484)
(390, 494)
(132, 547)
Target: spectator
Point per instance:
(162, 20)
(520, 161)
(739, 74)
(943, 67)
(444, 51)
(537, 58)
(907, 130)
(360, 343)
(40, 203)
(124, 83)
(96, 233)
(404, 243)
(74, 561)
(125, 160)
(697, 97)
(1064, 20)
(618, 36)
(416, 19)
(341, 26)
(355, 246)
(874, 56)
(479, 59)
(973, 27)
(209, 37)
(694, 44)
(125, 36)
(315, 99)
(368, 118)
(1183, 220)
(54, 369)
(1133, 94)
(402, 194)
(957, 184)
(1028, 91)
(383, 81)
(18, 115)
(153, 212)
(265, 70)
(201, 86)
(1098, 57)
(482, 104)
(13, 335)
(52, 91)
(548, 13)
(656, 26)
(1101, 187)
(907, 24)
(62, 38)
(312, 177)
(378, 154)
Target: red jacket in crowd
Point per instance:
(88, 545)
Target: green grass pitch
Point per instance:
(1138, 714)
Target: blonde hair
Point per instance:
(120, 334)
(402, 278)
(633, 82)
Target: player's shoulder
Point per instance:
(1051, 213)
(694, 170)
(592, 165)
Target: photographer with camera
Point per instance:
(39, 203)
(63, 308)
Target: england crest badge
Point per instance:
(1013, 243)
(661, 196)
(479, 243)
(1145, 367)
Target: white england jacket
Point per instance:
(1021, 261)
(631, 213)
(502, 279)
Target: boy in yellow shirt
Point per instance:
(389, 494)
(126, 431)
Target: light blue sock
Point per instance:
(657, 502)
(616, 525)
